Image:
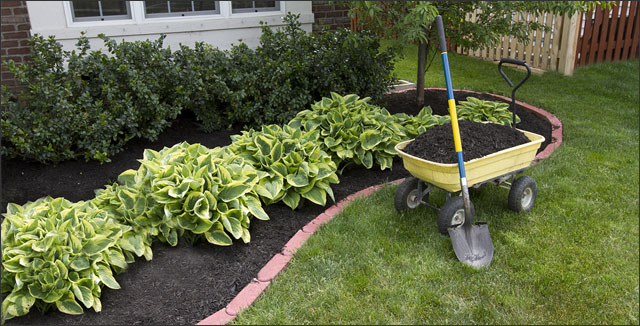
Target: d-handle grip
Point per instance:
(513, 62)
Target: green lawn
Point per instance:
(573, 259)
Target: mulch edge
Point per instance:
(280, 261)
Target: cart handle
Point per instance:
(514, 62)
(513, 92)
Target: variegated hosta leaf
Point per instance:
(48, 248)
(353, 131)
(291, 159)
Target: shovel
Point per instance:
(471, 243)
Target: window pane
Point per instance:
(241, 4)
(180, 6)
(265, 4)
(204, 5)
(156, 6)
(85, 8)
(110, 8)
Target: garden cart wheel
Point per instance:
(406, 197)
(523, 193)
(452, 214)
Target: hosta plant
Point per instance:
(352, 130)
(58, 252)
(294, 163)
(187, 188)
(477, 110)
(418, 124)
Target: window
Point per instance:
(254, 6)
(99, 10)
(158, 8)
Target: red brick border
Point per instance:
(279, 262)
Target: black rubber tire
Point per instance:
(448, 211)
(402, 200)
(523, 194)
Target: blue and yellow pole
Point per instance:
(454, 119)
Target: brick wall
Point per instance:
(328, 15)
(15, 33)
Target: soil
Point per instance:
(478, 140)
(185, 284)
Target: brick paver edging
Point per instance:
(254, 289)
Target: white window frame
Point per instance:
(184, 13)
(256, 10)
(137, 15)
(100, 18)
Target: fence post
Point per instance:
(569, 41)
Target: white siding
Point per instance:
(53, 18)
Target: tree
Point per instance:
(410, 22)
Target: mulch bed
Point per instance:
(185, 284)
(478, 140)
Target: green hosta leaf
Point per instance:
(180, 190)
(291, 199)
(300, 179)
(69, 305)
(105, 275)
(219, 238)
(127, 198)
(370, 139)
(83, 294)
(202, 226)
(367, 160)
(270, 188)
(246, 236)
(232, 226)
(127, 178)
(327, 188)
(172, 239)
(316, 195)
(132, 243)
(279, 168)
(202, 208)
(255, 208)
(233, 191)
(80, 263)
(96, 245)
(264, 144)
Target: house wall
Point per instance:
(54, 18)
(331, 16)
(15, 33)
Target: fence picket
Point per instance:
(611, 44)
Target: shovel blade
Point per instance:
(472, 244)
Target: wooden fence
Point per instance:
(573, 41)
(608, 36)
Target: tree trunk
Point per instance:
(422, 62)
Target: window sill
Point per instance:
(167, 25)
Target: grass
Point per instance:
(573, 259)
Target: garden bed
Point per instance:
(185, 284)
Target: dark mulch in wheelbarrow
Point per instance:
(183, 284)
(478, 140)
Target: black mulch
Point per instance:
(478, 140)
(185, 284)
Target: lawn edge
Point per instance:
(280, 260)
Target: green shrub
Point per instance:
(186, 188)
(286, 73)
(477, 110)
(92, 107)
(209, 80)
(62, 253)
(352, 130)
(294, 163)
